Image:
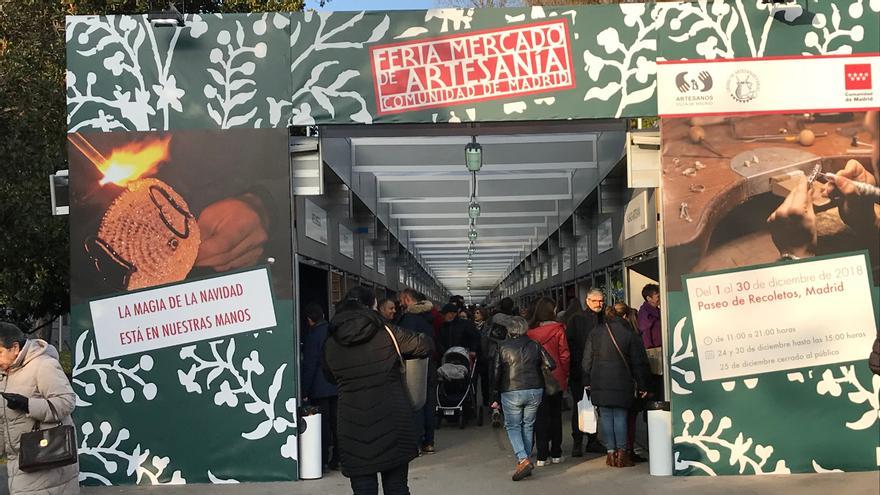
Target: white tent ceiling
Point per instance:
(532, 177)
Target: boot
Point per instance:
(577, 450)
(621, 459)
(610, 460)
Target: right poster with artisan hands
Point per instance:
(772, 235)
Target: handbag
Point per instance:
(625, 362)
(415, 381)
(47, 449)
(551, 385)
(655, 360)
(586, 415)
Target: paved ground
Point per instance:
(479, 461)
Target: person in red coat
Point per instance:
(545, 330)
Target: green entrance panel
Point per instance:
(444, 65)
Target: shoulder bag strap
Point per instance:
(619, 352)
(39, 424)
(396, 347)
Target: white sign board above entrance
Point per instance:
(316, 222)
(180, 314)
(369, 260)
(635, 218)
(583, 249)
(346, 242)
(604, 236)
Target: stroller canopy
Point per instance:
(457, 355)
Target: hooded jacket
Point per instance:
(551, 336)
(418, 318)
(37, 374)
(376, 428)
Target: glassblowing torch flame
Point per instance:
(133, 160)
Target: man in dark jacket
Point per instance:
(317, 391)
(458, 332)
(417, 317)
(577, 332)
(517, 380)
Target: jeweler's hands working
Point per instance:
(857, 211)
(793, 224)
(233, 233)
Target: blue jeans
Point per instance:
(425, 416)
(612, 421)
(520, 410)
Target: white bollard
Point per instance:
(660, 438)
(310, 462)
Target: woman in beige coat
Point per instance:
(30, 377)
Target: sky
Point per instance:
(374, 4)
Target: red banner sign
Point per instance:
(481, 65)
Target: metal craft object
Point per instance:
(683, 212)
(769, 162)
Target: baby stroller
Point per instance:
(456, 390)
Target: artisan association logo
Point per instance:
(695, 89)
(857, 77)
(743, 86)
(688, 82)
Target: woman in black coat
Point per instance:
(613, 379)
(376, 429)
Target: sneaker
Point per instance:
(541, 463)
(428, 448)
(557, 460)
(523, 468)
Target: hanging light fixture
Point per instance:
(473, 155)
(474, 209)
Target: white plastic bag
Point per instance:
(587, 422)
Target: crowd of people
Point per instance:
(532, 365)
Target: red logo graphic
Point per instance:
(858, 76)
(481, 65)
